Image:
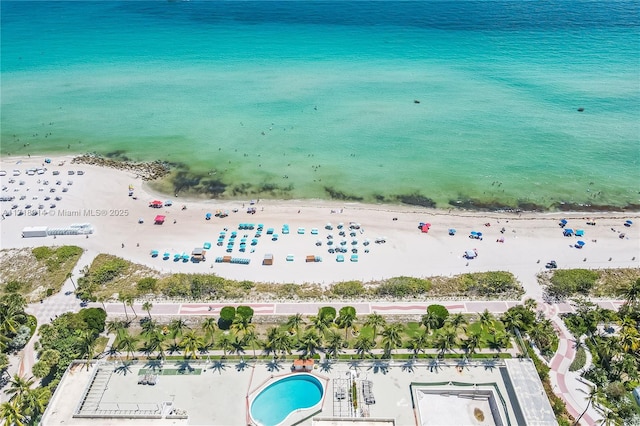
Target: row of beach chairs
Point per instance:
(148, 379)
(367, 392)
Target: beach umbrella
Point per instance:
(479, 234)
(154, 253)
(206, 245)
(207, 216)
(166, 255)
(452, 231)
(628, 223)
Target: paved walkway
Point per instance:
(45, 312)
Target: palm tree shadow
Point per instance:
(434, 365)
(489, 364)
(219, 366)
(326, 366)
(173, 347)
(380, 367)
(274, 365)
(355, 364)
(184, 367)
(242, 365)
(154, 364)
(124, 368)
(409, 366)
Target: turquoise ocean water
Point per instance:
(316, 99)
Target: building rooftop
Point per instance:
(212, 392)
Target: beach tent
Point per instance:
(568, 232)
(563, 222)
(424, 227)
(340, 258)
(328, 226)
(268, 259)
(470, 254)
(168, 203)
(579, 232)
(206, 245)
(156, 204)
(579, 244)
(159, 220)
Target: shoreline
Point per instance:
(168, 179)
(520, 243)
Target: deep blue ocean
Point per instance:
(465, 103)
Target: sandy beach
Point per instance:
(100, 197)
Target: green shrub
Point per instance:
(147, 285)
(94, 318)
(567, 282)
(108, 271)
(348, 289)
(488, 283)
(579, 360)
(13, 286)
(403, 287)
(42, 253)
(328, 313)
(440, 312)
(228, 313)
(245, 312)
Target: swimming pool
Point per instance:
(285, 396)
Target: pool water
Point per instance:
(275, 402)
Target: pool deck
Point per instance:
(218, 393)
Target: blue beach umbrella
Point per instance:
(207, 216)
(452, 231)
(206, 245)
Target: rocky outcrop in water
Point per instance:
(147, 171)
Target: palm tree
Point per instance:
(69, 276)
(418, 342)
(147, 306)
(177, 327)
(11, 313)
(334, 344)
(115, 327)
(346, 319)
(486, 319)
(34, 402)
(391, 338)
(375, 321)
(631, 294)
(458, 321)
(294, 322)
(209, 328)
(148, 327)
(309, 343)
(128, 343)
(446, 340)
(284, 343)
(123, 298)
(242, 325)
(251, 338)
(12, 414)
(191, 343)
(155, 342)
(610, 418)
(130, 300)
(225, 342)
(592, 397)
(363, 345)
(512, 319)
(471, 343)
(321, 323)
(430, 321)
(18, 387)
(629, 336)
(87, 345)
(499, 340)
